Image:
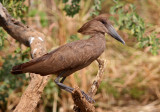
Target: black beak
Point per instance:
(114, 34)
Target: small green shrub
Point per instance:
(73, 8)
(134, 25)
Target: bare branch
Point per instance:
(98, 79)
(81, 104)
(36, 41)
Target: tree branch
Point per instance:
(36, 41)
(81, 104)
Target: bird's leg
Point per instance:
(61, 85)
(69, 89)
(62, 79)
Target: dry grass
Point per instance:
(132, 75)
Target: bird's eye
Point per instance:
(102, 21)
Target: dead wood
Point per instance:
(81, 104)
(36, 41)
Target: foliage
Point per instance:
(42, 14)
(49, 92)
(129, 19)
(24, 55)
(43, 19)
(15, 7)
(50, 88)
(9, 82)
(17, 10)
(2, 38)
(96, 7)
(73, 8)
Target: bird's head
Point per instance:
(102, 25)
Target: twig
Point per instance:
(36, 41)
(81, 104)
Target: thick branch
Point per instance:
(36, 41)
(81, 104)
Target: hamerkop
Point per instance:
(73, 56)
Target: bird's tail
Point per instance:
(17, 69)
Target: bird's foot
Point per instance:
(88, 98)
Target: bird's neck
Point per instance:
(98, 36)
(98, 42)
(98, 39)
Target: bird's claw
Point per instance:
(88, 98)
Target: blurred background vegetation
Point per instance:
(132, 75)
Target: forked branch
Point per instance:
(81, 104)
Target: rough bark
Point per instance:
(81, 104)
(36, 41)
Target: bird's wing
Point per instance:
(65, 57)
(27, 67)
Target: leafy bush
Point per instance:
(9, 82)
(129, 20)
(73, 8)
(96, 7)
(15, 7)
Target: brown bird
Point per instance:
(73, 56)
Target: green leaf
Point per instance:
(132, 22)
(64, 1)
